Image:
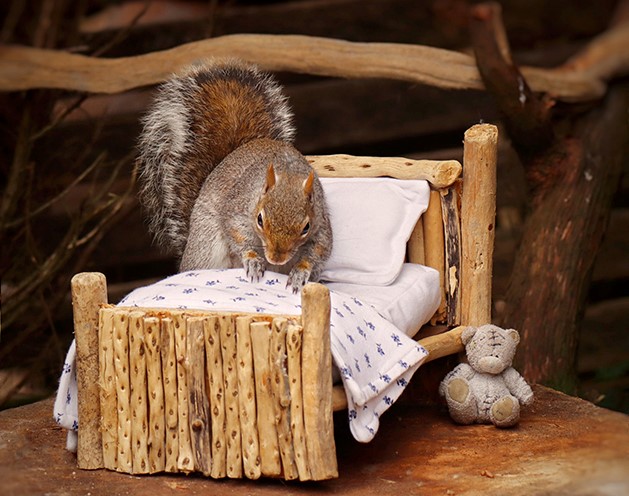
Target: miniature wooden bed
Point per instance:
(247, 395)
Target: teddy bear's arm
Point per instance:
(518, 386)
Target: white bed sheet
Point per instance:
(408, 303)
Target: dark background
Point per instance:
(56, 137)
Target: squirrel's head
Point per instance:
(284, 214)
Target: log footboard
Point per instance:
(223, 394)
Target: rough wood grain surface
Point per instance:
(232, 413)
(452, 239)
(216, 385)
(27, 68)
(108, 394)
(123, 388)
(439, 173)
(478, 213)
(270, 463)
(282, 397)
(89, 292)
(443, 344)
(155, 390)
(416, 248)
(434, 248)
(185, 458)
(198, 403)
(138, 399)
(565, 446)
(169, 376)
(293, 349)
(247, 400)
(317, 382)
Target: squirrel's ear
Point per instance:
(270, 178)
(308, 184)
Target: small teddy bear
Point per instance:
(488, 389)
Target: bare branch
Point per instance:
(526, 116)
(26, 68)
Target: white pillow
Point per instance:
(372, 219)
(408, 303)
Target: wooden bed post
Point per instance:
(478, 213)
(317, 382)
(89, 293)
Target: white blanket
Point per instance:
(375, 359)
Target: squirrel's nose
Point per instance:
(275, 257)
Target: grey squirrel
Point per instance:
(220, 180)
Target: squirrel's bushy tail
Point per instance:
(198, 118)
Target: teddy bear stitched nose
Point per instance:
(491, 365)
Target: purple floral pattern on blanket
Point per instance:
(375, 359)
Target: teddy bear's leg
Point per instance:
(505, 412)
(461, 402)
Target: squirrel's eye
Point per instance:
(260, 220)
(306, 228)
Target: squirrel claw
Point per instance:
(254, 268)
(297, 279)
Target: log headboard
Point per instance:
(456, 234)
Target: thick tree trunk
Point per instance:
(573, 167)
(562, 235)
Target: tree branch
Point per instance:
(26, 68)
(526, 116)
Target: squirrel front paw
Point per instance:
(298, 277)
(254, 265)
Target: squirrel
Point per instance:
(222, 184)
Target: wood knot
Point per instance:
(197, 425)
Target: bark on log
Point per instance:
(527, 115)
(572, 172)
(562, 234)
(452, 239)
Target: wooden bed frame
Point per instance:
(233, 395)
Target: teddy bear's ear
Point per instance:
(513, 334)
(468, 334)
